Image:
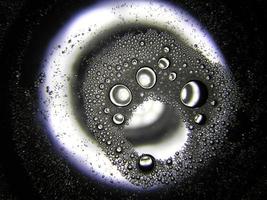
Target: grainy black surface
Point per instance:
(237, 27)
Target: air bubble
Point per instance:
(120, 95)
(118, 118)
(163, 63)
(200, 119)
(172, 76)
(193, 94)
(146, 162)
(146, 77)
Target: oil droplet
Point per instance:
(120, 95)
(163, 63)
(194, 94)
(172, 76)
(118, 118)
(146, 77)
(146, 162)
(200, 119)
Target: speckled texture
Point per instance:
(34, 169)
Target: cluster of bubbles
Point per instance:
(154, 65)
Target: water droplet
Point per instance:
(142, 43)
(166, 49)
(101, 86)
(146, 77)
(118, 118)
(172, 76)
(185, 65)
(134, 61)
(213, 103)
(146, 162)
(120, 95)
(100, 126)
(194, 94)
(163, 63)
(106, 110)
(119, 149)
(169, 161)
(200, 119)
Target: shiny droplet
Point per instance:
(119, 149)
(172, 76)
(146, 162)
(200, 119)
(146, 77)
(106, 110)
(166, 49)
(120, 95)
(163, 63)
(194, 94)
(118, 118)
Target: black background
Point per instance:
(237, 27)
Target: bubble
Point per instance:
(106, 110)
(200, 119)
(118, 118)
(172, 76)
(213, 103)
(194, 94)
(163, 63)
(146, 162)
(120, 95)
(142, 43)
(169, 161)
(119, 149)
(146, 77)
(166, 49)
(100, 126)
(134, 61)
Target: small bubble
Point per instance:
(101, 86)
(213, 103)
(120, 95)
(208, 77)
(118, 118)
(191, 127)
(134, 61)
(166, 49)
(119, 149)
(193, 94)
(106, 110)
(200, 119)
(146, 77)
(184, 65)
(163, 63)
(142, 43)
(202, 66)
(169, 161)
(100, 126)
(172, 76)
(146, 162)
